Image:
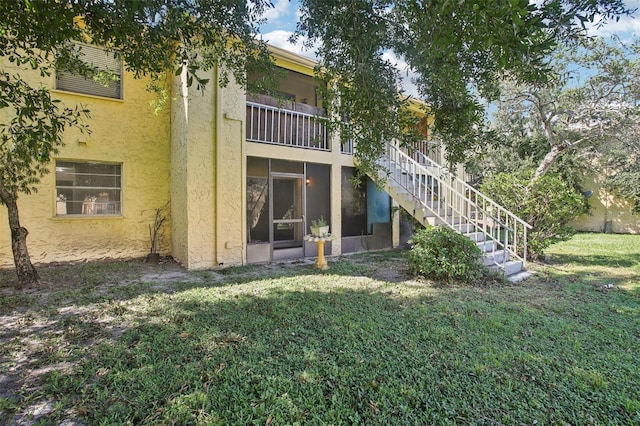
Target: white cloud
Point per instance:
(626, 27)
(406, 73)
(280, 38)
(280, 8)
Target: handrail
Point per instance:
(275, 108)
(456, 203)
(480, 194)
(280, 126)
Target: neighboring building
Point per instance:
(244, 176)
(607, 213)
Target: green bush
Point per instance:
(547, 203)
(440, 253)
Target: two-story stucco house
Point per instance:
(244, 175)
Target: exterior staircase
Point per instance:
(435, 196)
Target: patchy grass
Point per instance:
(361, 343)
(601, 260)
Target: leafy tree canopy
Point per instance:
(584, 118)
(456, 50)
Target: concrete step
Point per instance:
(464, 228)
(511, 267)
(433, 205)
(487, 246)
(520, 276)
(420, 194)
(442, 212)
(435, 221)
(496, 257)
(475, 236)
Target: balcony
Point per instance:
(286, 123)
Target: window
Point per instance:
(103, 60)
(88, 188)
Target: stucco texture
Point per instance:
(207, 187)
(122, 131)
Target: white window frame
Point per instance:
(101, 58)
(85, 200)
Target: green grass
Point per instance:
(599, 260)
(362, 343)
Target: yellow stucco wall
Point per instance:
(193, 183)
(122, 131)
(193, 153)
(606, 207)
(231, 177)
(208, 178)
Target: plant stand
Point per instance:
(321, 263)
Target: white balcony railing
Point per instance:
(278, 126)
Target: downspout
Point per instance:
(607, 222)
(217, 103)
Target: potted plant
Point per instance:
(160, 217)
(319, 227)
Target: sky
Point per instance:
(282, 18)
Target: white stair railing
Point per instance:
(435, 192)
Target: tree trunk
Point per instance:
(548, 160)
(27, 274)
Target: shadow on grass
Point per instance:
(344, 356)
(604, 273)
(286, 343)
(612, 261)
(97, 282)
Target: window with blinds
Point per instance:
(103, 60)
(84, 188)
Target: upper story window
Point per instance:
(108, 85)
(84, 188)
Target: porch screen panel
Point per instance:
(257, 200)
(378, 205)
(318, 193)
(284, 166)
(354, 206)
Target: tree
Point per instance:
(547, 203)
(585, 119)
(455, 48)
(588, 107)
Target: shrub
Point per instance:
(547, 203)
(440, 253)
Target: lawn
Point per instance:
(361, 343)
